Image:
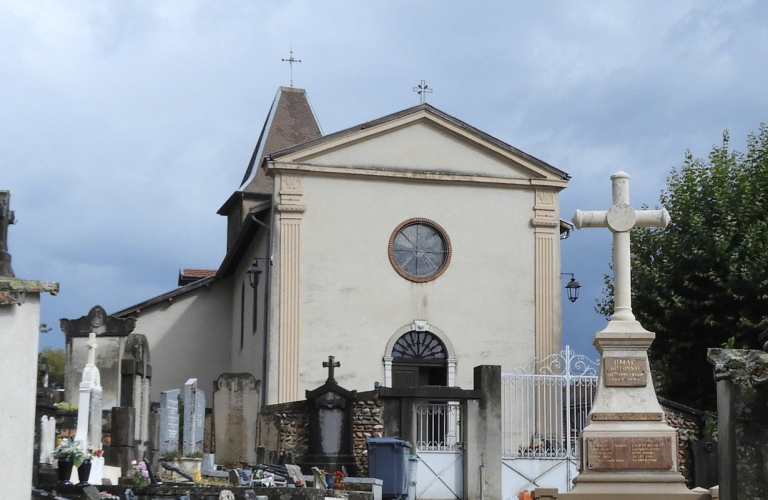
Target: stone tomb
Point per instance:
(330, 425)
(628, 450)
(112, 336)
(742, 422)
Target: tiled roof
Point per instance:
(290, 122)
(187, 276)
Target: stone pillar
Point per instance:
(290, 212)
(742, 422)
(482, 454)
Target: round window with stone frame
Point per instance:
(419, 250)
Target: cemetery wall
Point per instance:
(689, 424)
(284, 428)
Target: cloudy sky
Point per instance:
(126, 124)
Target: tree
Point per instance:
(56, 363)
(704, 279)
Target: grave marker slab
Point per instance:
(236, 403)
(169, 421)
(194, 418)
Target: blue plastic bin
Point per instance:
(388, 461)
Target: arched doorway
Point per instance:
(419, 355)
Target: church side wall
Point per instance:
(353, 301)
(250, 357)
(188, 338)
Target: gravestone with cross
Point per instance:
(627, 449)
(330, 425)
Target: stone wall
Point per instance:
(366, 422)
(284, 429)
(689, 424)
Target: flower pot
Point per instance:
(65, 470)
(83, 472)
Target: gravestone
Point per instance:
(236, 406)
(169, 421)
(628, 450)
(330, 425)
(194, 418)
(742, 422)
(45, 429)
(89, 407)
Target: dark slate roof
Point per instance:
(290, 121)
(430, 109)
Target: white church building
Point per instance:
(413, 248)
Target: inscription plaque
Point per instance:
(629, 453)
(625, 372)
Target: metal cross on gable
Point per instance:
(331, 364)
(290, 62)
(423, 89)
(620, 219)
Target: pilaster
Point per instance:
(290, 211)
(545, 224)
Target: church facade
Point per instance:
(412, 248)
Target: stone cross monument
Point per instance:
(89, 408)
(627, 449)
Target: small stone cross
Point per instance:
(331, 364)
(620, 219)
(91, 348)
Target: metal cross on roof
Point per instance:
(331, 364)
(290, 61)
(423, 89)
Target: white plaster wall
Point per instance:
(353, 301)
(189, 338)
(421, 146)
(249, 358)
(19, 330)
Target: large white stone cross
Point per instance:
(91, 348)
(620, 218)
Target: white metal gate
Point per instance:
(544, 408)
(440, 472)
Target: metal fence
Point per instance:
(545, 406)
(438, 427)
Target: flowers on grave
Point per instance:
(95, 453)
(338, 479)
(139, 473)
(69, 448)
(197, 477)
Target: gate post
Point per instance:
(482, 455)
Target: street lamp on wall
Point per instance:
(572, 288)
(254, 273)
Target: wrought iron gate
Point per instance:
(544, 408)
(440, 473)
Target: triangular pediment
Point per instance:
(422, 140)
